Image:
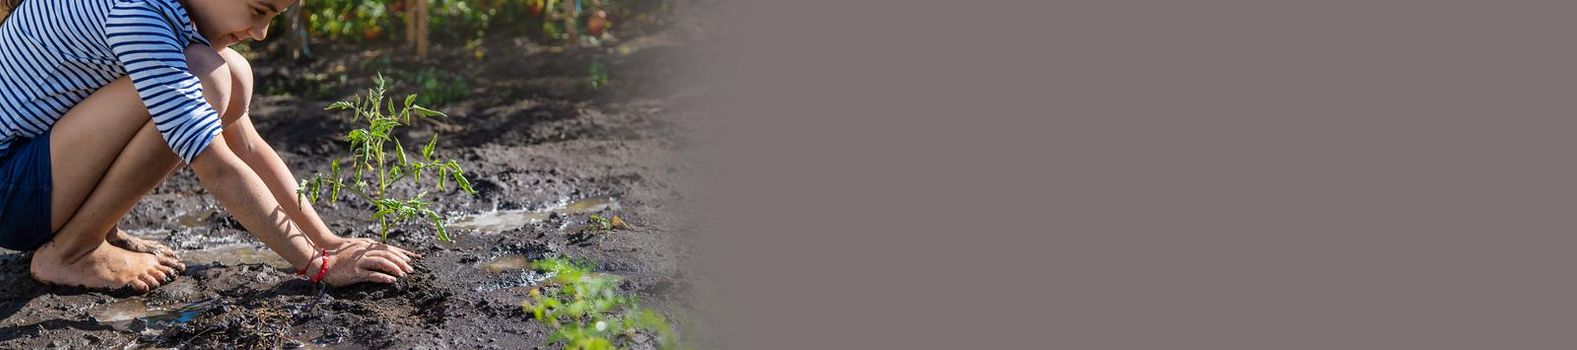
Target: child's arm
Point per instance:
(259, 156)
(245, 196)
(239, 189)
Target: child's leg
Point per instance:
(240, 102)
(97, 181)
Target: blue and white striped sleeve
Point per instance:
(147, 44)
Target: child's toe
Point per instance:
(169, 272)
(158, 275)
(173, 263)
(153, 281)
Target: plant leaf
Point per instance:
(427, 152)
(404, 163)
(317, 187)
(427, 113)
(459, 179)
(438, 222)
(334, 169)
(301, 191)
(334, 191)
(383, 212)
(443, 172)
(341, 105)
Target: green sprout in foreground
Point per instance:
(586, 312)
(599, 76)
(376, 168)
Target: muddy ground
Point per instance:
(543, 148)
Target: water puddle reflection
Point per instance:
(236, 254)
(196, 219)
(511, 271)
(505, 220)
(589, 205)
(499, 221)
(507, 263)
(136, 315)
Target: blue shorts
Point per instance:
(25, 184)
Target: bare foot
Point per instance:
(106, 267)
(133, 243)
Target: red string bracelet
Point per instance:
(303, 270)
(322, 270)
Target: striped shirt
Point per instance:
(54, 53)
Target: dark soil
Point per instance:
(531, 134)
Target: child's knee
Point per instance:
(215, 75)
(241, 84)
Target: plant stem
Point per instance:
(357, 191)
(383, 174)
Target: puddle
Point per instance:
(196, 219)
(511, 271)
(505, 220)
(500, 221)
(514, 271)
(154, 234)
(132, 314)
(516, 279)
(236, 254)
(332, 337)
(507, 263)
(589, 205)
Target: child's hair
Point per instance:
(6, 6)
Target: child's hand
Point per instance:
(346, 243)
(355, 263)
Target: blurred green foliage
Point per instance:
(586, 310)
(438, 88)
(463, 21)
(461, 25)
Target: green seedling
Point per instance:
(603, 224)
(586, 312)
(599, 75)
(374, 167)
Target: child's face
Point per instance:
(227, 22)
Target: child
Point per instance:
(100, 100)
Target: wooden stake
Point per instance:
(422, 30)
(572, 15)
(410, 22)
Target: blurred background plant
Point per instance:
(586, 311)
(461, 23)
(472, 28)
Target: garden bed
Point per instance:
(544, 149)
